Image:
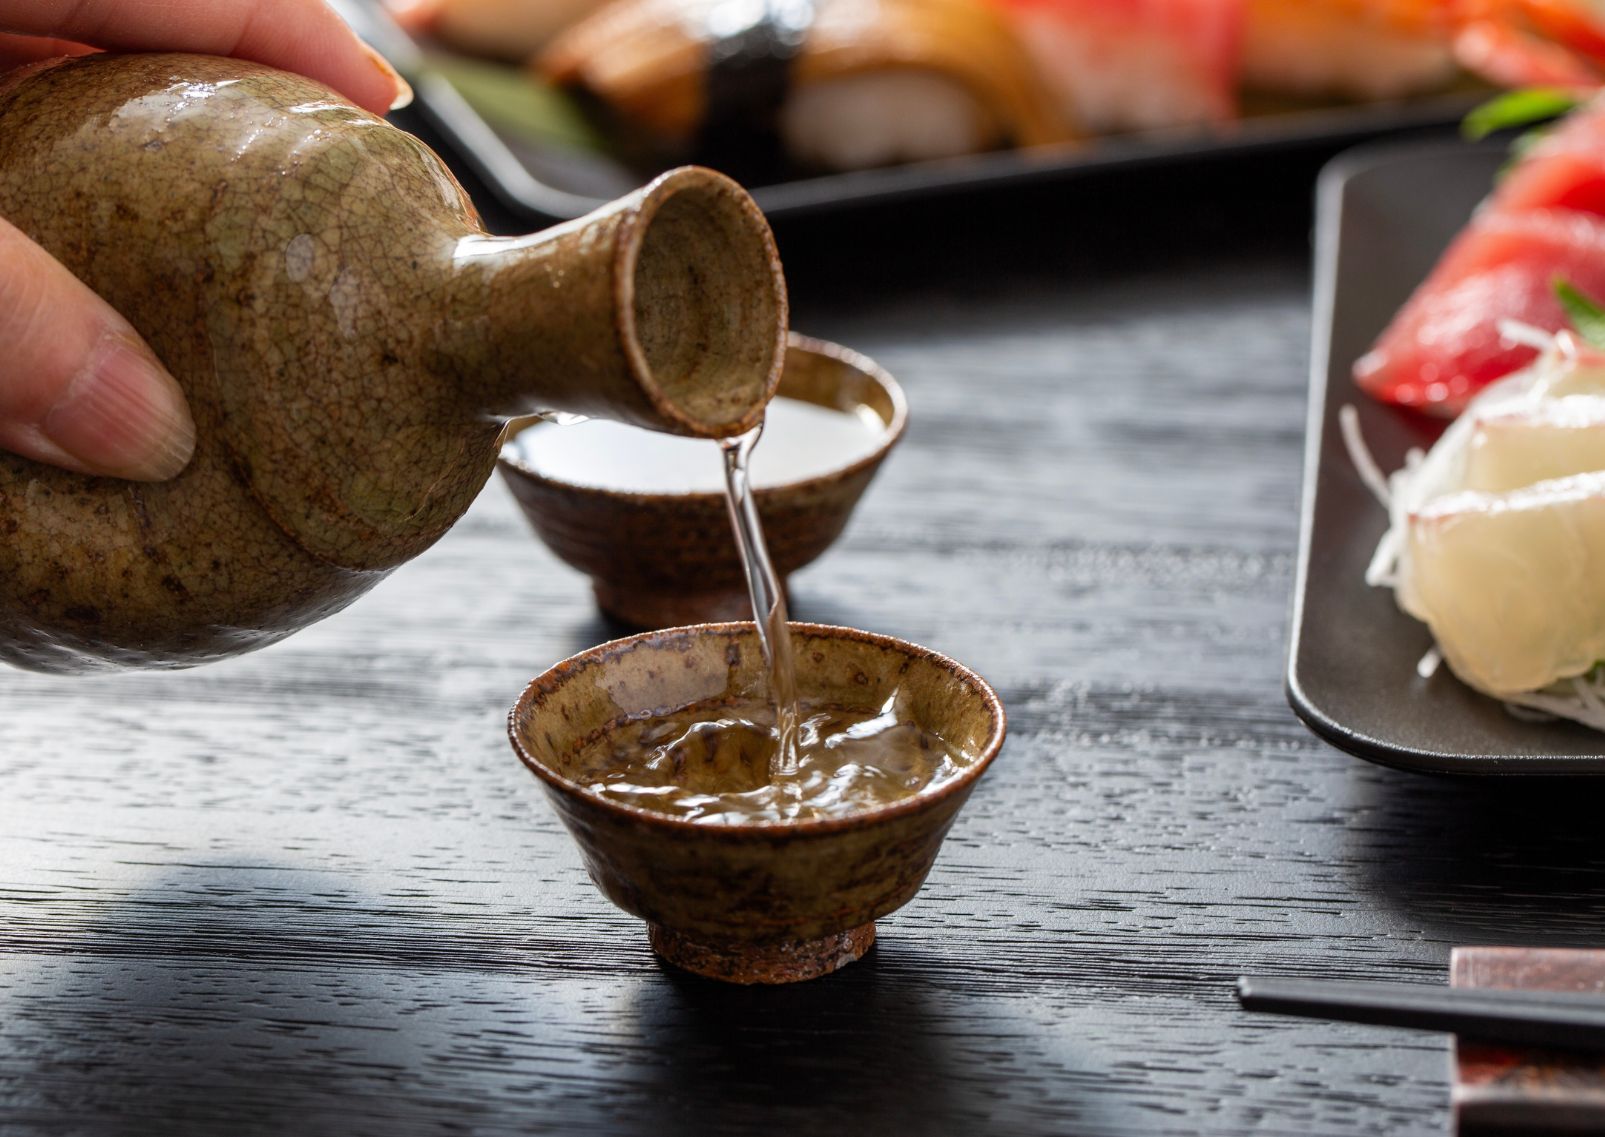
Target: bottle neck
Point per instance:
(665, 310)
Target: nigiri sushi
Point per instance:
(1391, 48)
(846, 84)
(1136, 64)
(1368, 49)
(1531, 43)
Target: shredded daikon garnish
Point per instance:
(1527, 714)
(1360, 454)
(1514, 331)
(1581, 699)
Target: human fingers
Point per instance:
(78, 387)
(304, 36)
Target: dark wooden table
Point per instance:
(312, 892)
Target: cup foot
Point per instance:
(791, 961)
(650, 609)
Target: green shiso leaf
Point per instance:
(1518, 109)
(1585, 314)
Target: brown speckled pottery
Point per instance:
(349, 338)
(662, 559)
(771, 902)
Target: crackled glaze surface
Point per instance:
(760, 903)
(347, 336)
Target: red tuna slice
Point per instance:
(1135, 64)
(1564, 171)
(1444, 345)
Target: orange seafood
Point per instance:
(868, 82)
(1354, 48)
(1386, 48)
(1527, 43)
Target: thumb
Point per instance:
(78, 387)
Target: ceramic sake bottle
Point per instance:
(349, 338)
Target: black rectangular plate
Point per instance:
(1385, 215)
(540, 186)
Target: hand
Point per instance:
(78, 387)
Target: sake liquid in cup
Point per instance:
(800, 440)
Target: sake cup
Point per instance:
(766, 901)
(662, 559)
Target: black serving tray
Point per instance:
(1385, 214)
(541, 185)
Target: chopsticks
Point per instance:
(1547, 1019)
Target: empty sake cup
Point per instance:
(761, 901)
(644, 515)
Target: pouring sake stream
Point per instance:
(350, 340)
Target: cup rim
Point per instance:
(794, 341)
(767, 830)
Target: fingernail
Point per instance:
(403, 88)
(404, 95)
(124, 415)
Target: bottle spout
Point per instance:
(666, 309)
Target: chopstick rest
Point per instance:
(1500, 1089)
(1548, 1019)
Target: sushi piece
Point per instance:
(1445, 343)
(1360, 49)
(1545, 221)
(1566, 170)
(1505, 582)
(1516, 447)
(1531, 43)
(512, 30)
(1136, 64)
(1497, 537)
(844, 83)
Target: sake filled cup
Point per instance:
(728, 889)
(644, 515)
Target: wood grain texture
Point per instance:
(312, 891)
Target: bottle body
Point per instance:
(305, 271)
